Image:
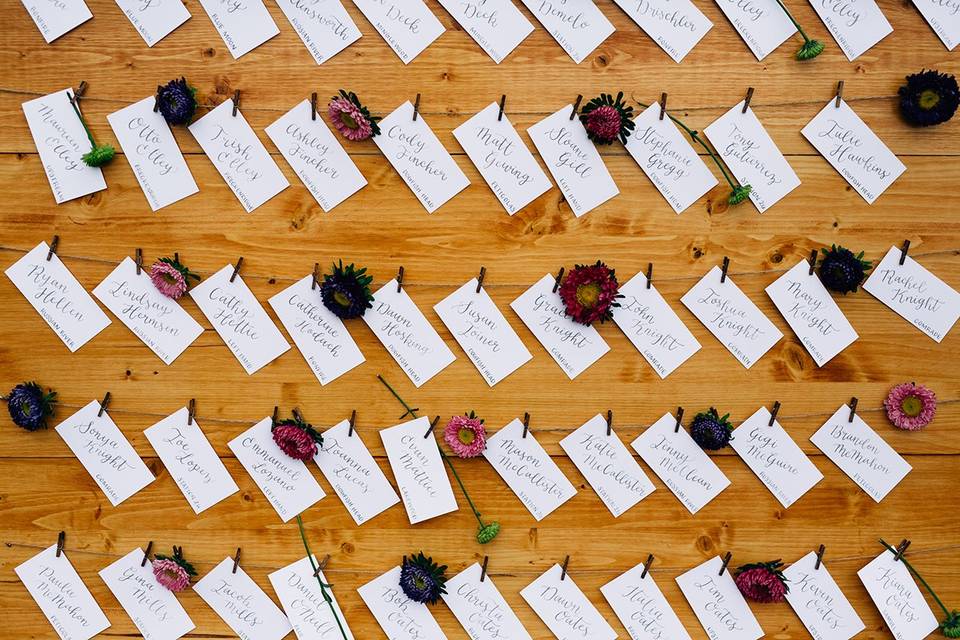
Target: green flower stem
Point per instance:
(918, 577)
(83, 122)
(323, 587)
(793, 20)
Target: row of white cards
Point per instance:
(578, 26)
(474, 600)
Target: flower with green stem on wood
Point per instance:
(324, 587)
(98, 155)
(811, 48)
(950, 625)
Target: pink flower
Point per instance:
(168, 279)
(349, 120)
(466, 435)
(910, 406)
(294, 440)
(762, 582)
(603, 123)
(171, 575)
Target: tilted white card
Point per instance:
(676, 25)
(496, 25)
(898, 598)
(324, 26)
(564, 608)
(762, 24)
(398, 616)
(242, 604)
(418, 467)
(642, 608)
(408, 26)
(577, 25)
(856, 26)
(942, 17)
(304, 603)
(480, 609)
(818, 601)
(154, 20)
(54, 19)
(244, 25)
(716, 601)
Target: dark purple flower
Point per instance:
(177, 101)
(841, 270)
(422, 580)
(929, 98)
(29, 406)
(346, 291)
(710, 431)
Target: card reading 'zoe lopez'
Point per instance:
(564, 608)
(398, 615)
(716, 601)
(242, 604)
(417, 465)
(577, 25)
(897, 596)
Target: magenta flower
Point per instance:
(762, 582)
(173, 572)
(590, 292)
(351, 118)
(171, 278)
(466, 435)
(911, 406)
(607, 118)
(297, 438)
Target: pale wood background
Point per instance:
(43, 489)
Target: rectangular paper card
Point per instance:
(564, 608)
(244, 26)
(237, 316)
(356, 478)
(407, 334)
(242, 604)
(105, 453)
(861, 453)
(496, 25)
(942, 17)
(57, 589)
(54, 19)
(653, 327)
(918, 296)
(856, 26)
(717, 603)
(418, 468)
(573, 160)
(607, 465)
(818, 601)
(731, 317)
(642, 608)
(154, 609)
(577, 25)
(419, 157)
(159, 321)
(156, 19)
(680, 463)
(408, 27)
(664, 154)
(57, 296)
(772, 454)
(762, 24)
(315, 154)
(321, 337)
(285, 481)
(574, 346)
(304, 602)
(239, 156)
(811, 312)
(480, 609)
(324, 26)
(899, 599)
(399, 616)
(61, 142)
(481, 330)
(191, 461)
(501, 157)
(751, 154)
(528, 470)
(676, 25)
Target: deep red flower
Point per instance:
(590, 292)
(296, 439)
(762, 582)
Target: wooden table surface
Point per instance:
(44, 489)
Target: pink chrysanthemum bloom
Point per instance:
(171, 575)
(911, 406)
(466, 435)
(297, 439)
(349, 120)
(168, 280)
(762, 582)
(590, 292)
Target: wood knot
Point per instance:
(602, 60)
(247, 497)
(347, 547)
(705, 544)
(209, 52)
(697, 253)
(776, 258)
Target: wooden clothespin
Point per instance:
(836, 103)
(191, 411)
(901, 548)
(853, 408)
(773, 414)
(646, 566)
(483, 273)
(236, 560)
(556, 284)
(563, 569)
(432, 425)
(236, 105)
(526, 423)
(156, 99)
(903, 251)
(820, 553)
(353, 423)
(649, 274)
(723, 272)
(676, 429)
(400, 279)
(313, 106)
(53, 247)
(813, 261)
(726, 561)
(236, 269)
(746, 101)
(61, 539)
(297, 415)
(663, 104)
(321, 566)
(315, 280)
(139, 260)
(503, 101)
(104, 404)
(483, 568)
(416, 108)
(609, 422)
(146, 554)
(78, 93)
(576, 106)
(276, 415)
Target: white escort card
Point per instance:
(154, 609)
(191, 460)
(898, 598)
(731, 317)
(243, 25)
(324, 26)
(418, 467)
(607, 465)
(356, 478)
(239, 156)
(653, 327)
(407, 334)
(668, 159)
(419, 157)
(676, 25)
(680, 463)
(303, 602)
(57, 296)
(501, 157)
(812, 313)
(316, 155)
(772, 454)
(105, 453)
(642, 608)
(762, 24)
(942, 17)
(159, 321)
(481, 330)
(61, 142)
(573, 161)
(577, 25)
(54, 19)
(818, 601)
(717, 602)
(574, 346)
(57, 589)
(400, 617)
(480, 609)
(285, 482)
(528, 470)
(856, 26)
(917, 295)
(861, 453)
(408, 26)
(242, 604)
(496, 25)
(752, 155)
(156, 19)
(319, 334)
(237, 316)
(564, 608)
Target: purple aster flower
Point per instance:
(422, 580)
(177, 102)
(711, 431)
(29, 406)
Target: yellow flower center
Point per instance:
(929, 99)
(341, 299)
(588, 295)
(912, 406)
(466, 436)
